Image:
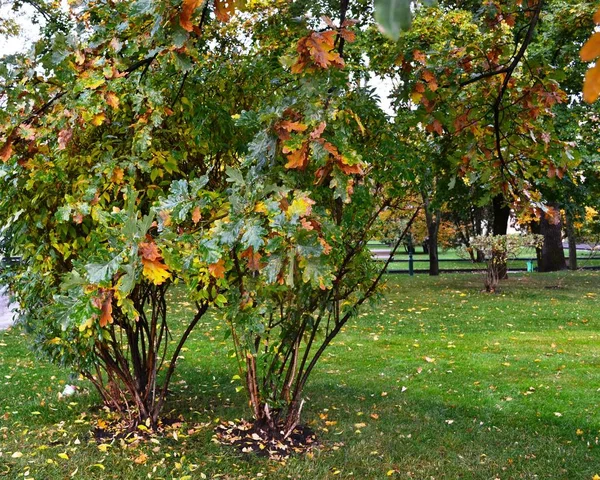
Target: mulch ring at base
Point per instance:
(248, 438)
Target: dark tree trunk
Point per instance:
(500, 227)
(434, 263)
(572, 241)
(501, 215)
(553, 255)
(433, 227)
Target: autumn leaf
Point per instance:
(6, 151)
(253, 259)
(217, 269)
(106, 310)
(98, 119)
(112, 100)
(196, 215)
(591, 49)
(301, 206)
(187, 10)
(64, 136)
(318, 48)
(591, 85)
(298, 159)
(149, 251)
(224, 9)
(155, 271)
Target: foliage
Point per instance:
(497, 249)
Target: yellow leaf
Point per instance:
(63, 455)
(156, 271)
(301, 206)
(141, 459)
(17, 455)
(390, 472)
(591, 49)
(98, 119)
(416, 97)
(596, 477)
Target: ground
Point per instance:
(438, 381)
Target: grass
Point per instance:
(439, 381)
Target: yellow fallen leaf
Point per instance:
(17, 455)
(63, 456)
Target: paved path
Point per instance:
(6, 315)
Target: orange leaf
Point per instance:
(591, 85)
(349, 169)
(112, 100)
(187, 9)
(419, 56)
(106, 310)
(156, 271)
(591, 50)
(6, 151)
(292, 126)
(217, 270)
(196, 215)
(149, 251)
(597, 17)
(298, 158)
(347, 35)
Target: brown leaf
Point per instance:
(64, 137)
(6, 151)
(224, 9)
(597, 17)
(149, 251)
(253, 259)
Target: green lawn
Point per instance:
(439, 381)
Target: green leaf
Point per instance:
(393, 16)
(98, 272)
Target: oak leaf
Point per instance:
(149, 251)
(298, 159)
(155, 271)
(6, 151)
(224, 9)
(253, 258)
(106, 310)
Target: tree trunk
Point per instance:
(500, 227)
(572, 241)
(433, 227)
(552, 256)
